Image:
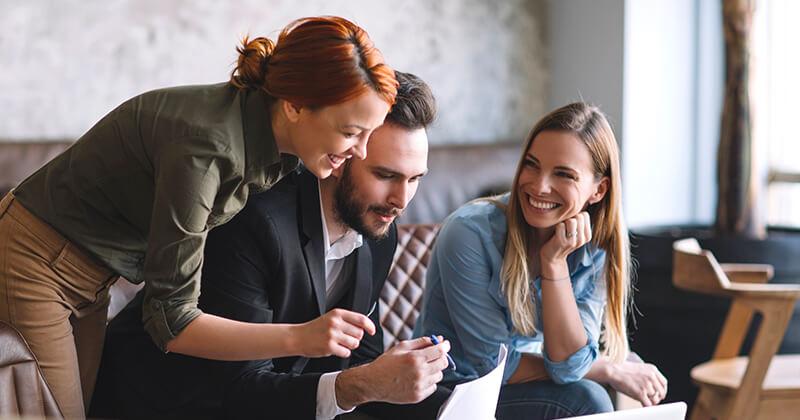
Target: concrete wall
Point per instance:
(67, 63)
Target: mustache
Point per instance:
(392, 211)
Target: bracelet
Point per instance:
(555, 280)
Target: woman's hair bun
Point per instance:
(251, 70)
(315, 62)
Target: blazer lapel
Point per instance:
(313, 250)
(362, 286)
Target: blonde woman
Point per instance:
(543, 269)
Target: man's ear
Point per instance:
(600, 190)
(291, 110)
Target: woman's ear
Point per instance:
(600, 191)
(291, 110)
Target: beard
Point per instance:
(352, 212)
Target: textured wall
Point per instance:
(64, 64)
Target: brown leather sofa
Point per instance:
(23, 390)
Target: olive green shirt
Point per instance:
(140, 190)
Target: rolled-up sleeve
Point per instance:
(574, 367)
(186, 186)
(591, 300)
(463, 262)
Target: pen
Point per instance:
(450, 363)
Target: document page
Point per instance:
(476, 399)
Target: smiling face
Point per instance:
(557, 179)
(372, 192)
(325, 138)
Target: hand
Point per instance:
(335, 333)
(406, 374)
(569, 235)
(641, 381)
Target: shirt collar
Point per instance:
(261, 150)
(345, 245)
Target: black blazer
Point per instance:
(266, 265)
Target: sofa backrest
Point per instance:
(18, 159)
(458, 174)
(401, 297)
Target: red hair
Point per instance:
(316, 62)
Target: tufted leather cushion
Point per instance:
(401, 297)
(23, 390)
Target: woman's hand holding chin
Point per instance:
(569, 235)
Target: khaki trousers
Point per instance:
(57, 297)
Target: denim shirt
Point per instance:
(464, 303)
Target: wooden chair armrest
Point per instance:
(748, 273)
(763, 291)
(774, 301)
(733, 331)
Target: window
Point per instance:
(777, 117)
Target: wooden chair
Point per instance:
(763, 385)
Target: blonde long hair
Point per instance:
(589, 124)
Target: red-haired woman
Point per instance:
(136, 195)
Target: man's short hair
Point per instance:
(415, 106)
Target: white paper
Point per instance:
(476, 399)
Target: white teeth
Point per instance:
(541, 204)
(336, 159)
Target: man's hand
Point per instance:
(335, 333)
(406, 374)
